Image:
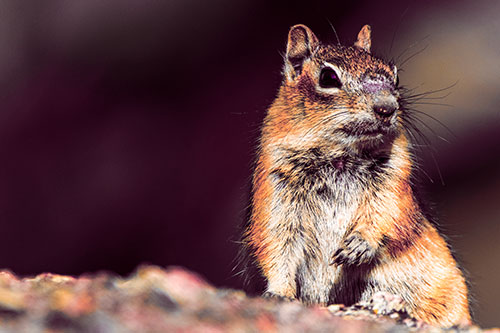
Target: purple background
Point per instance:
(128, 128)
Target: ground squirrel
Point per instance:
(334, 217)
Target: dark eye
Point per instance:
(397, 81)
(329, 79)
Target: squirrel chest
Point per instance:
(334, 218)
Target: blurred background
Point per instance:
(128, 128)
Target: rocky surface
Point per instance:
(175, 300)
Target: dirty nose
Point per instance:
(382, 95)
(384, 110)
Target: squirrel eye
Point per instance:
(329, 79)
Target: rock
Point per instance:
(173, 299)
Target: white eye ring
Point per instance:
(329, 81)
(332, 66)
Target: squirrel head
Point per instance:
(337, 93)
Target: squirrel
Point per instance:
(334, 218)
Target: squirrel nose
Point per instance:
(384, 110)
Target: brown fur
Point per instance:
(334, 217)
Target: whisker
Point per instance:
(428, 127)
(417, 98)
(438, 168)
(397, 27)
(411, 46)
(434, 104)
(334, 31)
(426, 93)
(418, 131)
(412, 56)
(436, 120)
(416, 163)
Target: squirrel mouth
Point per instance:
(370, 138)
(369, 130)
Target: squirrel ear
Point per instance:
(301, 44)
(364, 38)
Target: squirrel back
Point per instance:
(334, 217)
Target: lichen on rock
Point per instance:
(173, 299)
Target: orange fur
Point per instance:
(332, 183)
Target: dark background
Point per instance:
(128, 128)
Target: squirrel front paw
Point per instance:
(354, 250)
(271, 295)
